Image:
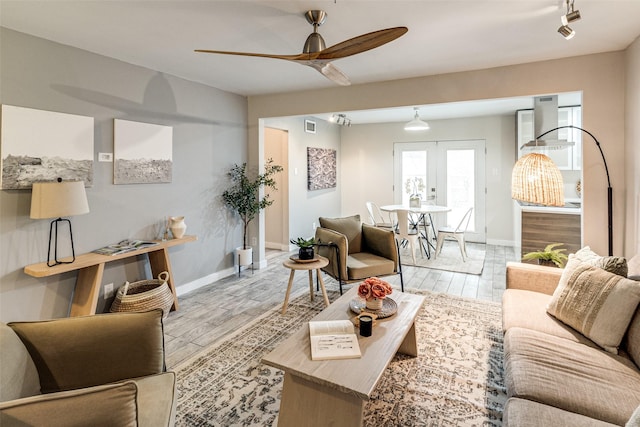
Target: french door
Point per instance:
(446, 173)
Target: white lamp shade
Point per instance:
(58, 199)
(536, 179)
(416, 124)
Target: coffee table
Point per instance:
(334, 392)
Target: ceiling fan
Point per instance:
(319, 57)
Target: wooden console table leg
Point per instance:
(409, 345)
(85, 296)
(305, 403)
(159, 262)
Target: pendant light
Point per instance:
(416, 124)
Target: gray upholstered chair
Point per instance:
(103, 370)
(357, 251)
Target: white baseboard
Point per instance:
(214, 277)
(277, 246)
(499, 242)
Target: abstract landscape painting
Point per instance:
(40, 145)
(321, 168)
(142, 152)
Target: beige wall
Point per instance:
(600, 77)
(632, 149)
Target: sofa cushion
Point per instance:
(596, 303)
(528, 309)
(363, 265)
(18, 373)
(349, 226)
(100, 406)
(634, 267)
(156, 403)
(526, 413)
(632, 339)
(612, 264)
(570, 376)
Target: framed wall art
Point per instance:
(40, 145)
(143, 152)
(321, 168)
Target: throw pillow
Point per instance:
(634, 267)
(634, 421)
(595, 302)
(613, 264)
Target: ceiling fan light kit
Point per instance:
(416, 124)
(572, 15)
(317, 56)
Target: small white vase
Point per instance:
(374, 303)
(177, 226)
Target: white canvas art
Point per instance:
(143, 152)
(40, 145)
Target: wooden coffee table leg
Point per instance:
(324, 291)
(311, 284)
(409, 345)
(309, 404)
(286, 297)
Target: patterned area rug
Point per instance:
(449, 259)
(456, 381)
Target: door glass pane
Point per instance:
(414, 174)
(460, 185)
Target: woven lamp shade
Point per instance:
(536, 179)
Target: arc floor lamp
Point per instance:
(609, 189)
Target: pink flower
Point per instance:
(373, 287)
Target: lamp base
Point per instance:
(53, 231)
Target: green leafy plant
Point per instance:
(549, 254)
(243, 195)
(304, 243)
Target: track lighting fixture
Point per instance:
(341, 119)
(416, 123)
(571, 16)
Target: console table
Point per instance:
(90, 268)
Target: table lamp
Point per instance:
(55, 200)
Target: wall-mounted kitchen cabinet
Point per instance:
(567, 158)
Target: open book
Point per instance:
(333, 339)
(124, 246)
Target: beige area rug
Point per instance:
(449, 259)
(456, 381)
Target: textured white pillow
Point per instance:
(595, 302)
(613, 264)
(634, 421)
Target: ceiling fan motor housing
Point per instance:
(315, 42)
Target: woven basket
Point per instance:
(144, 295)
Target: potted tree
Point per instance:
(243, 198)
(549, 256)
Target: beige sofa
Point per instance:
(554, 375)
(103, 370)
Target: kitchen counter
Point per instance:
(570, 208)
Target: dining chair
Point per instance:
(375, 214)
(410, 234)
(456, 233)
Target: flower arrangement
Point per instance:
(374, 288)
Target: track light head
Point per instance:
(566, 32)
(570, 17)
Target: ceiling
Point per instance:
(444, 36)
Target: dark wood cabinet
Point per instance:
(539, 229)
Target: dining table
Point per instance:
(422, 211)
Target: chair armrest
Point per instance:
(380, 242)
(531, 277)
(325, 236)
(101, 406)
(86, 351)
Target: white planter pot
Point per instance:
(243, 257)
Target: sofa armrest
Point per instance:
(101, 406)
(325, 236)
(380, 242)
(86, 351)
(531, 277)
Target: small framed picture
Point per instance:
(310, 126)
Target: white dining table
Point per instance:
(421, 210)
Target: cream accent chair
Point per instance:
(357, 251)
(99, 371)
(411, 235)
(375, 215)
(455, 234)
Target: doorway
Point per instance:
(276, 147)
(446, 173)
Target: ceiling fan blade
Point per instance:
(330, 71)
(361, 43)
(297, 57)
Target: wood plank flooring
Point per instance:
(209, 313)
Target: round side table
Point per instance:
(317, 265)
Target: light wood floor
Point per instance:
(209, 313)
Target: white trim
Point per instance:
(204, 281)
(498, 242)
